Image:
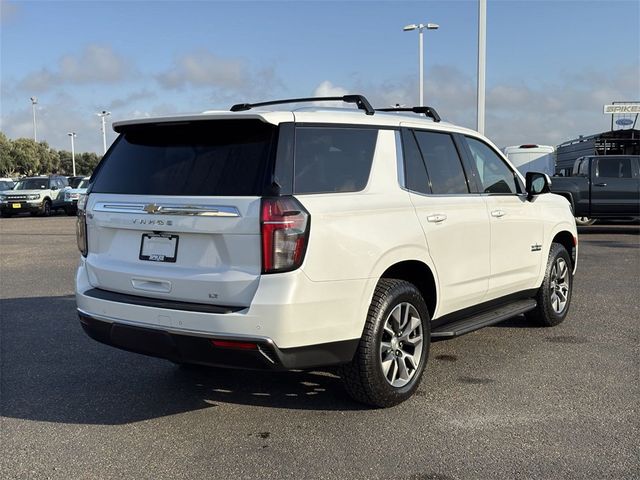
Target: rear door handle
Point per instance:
(498, 213)
(599, 184)
(437, 218)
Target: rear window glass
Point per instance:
(221, 158)
(331, 159)
(443, 163)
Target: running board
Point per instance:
(470, 324)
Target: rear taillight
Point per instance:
(285, 232)
(81, 226)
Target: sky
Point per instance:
(551, 65)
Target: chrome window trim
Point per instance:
(167, 209)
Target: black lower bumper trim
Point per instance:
(158, 302)
(200, 350)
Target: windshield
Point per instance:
(4, 185)
(32, 184)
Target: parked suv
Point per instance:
(36, 195)
(312, 237)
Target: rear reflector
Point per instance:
(234, 344)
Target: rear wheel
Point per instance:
(554, 296)
(70, 211)
(5, 214)
(393, 350)
(585, 221)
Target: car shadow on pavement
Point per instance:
(626, 229)
(51, 371)
(519, 321)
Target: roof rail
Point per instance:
(359, 100)
(428, 111)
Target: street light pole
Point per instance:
(482, 51)
(103, 116)
(421, 53)
(420, 27)
(34, 102)
(73, 152)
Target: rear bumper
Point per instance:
(201, 350)
(288, 309)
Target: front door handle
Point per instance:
(599, 184)
(437, 218)
(498, 213)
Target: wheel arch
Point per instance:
(419, 274)
(569, 242)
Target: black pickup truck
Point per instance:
(605, 186)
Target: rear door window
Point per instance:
(614, 168)
(202, 158)
(329, 159)
(443, 163)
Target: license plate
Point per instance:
(159, 247)
(15, 205)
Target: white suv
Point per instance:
(263, 238)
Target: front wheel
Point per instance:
(554, 296)
(392, 354)
(46, 208)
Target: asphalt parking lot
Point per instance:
(511, 401)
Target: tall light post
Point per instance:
(34, 102)
(103, 116)
(420, 27)
(482, 50)
(73, 151)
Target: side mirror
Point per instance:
(54, 187)
(537, 183)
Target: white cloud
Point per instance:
(515, 113)
(95, 64)
(328, 89)
(205, 69)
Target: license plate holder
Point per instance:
(159, 247)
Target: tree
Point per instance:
(65, 162)
(49, 158)
(23, 156)
(24, 152)
(86, 163)
(7, 167)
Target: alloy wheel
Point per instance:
(559, 285)
(401, 345)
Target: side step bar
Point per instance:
(470, 324)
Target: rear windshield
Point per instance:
(218, 158)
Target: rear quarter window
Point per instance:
(203, 158)
(330, 160)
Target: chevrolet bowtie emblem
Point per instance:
(152, 208)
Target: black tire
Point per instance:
(545, 314)
(5, 215)
(363, 377)
(70, 211)
(585, 221)
(46, 208)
